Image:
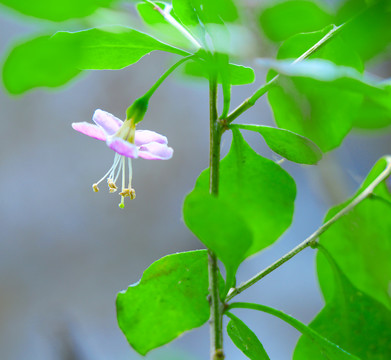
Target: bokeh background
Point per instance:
(65, 251)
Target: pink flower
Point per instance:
(127, 142)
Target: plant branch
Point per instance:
(249, 102)
(216, 305)
(313, 238)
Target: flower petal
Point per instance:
(155, 151)
(143, 137)
(122, 147)
(90, 130)
(107, 121)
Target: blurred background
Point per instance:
(66, 251)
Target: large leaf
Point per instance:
(219, 227)
(318, 110)
(113, 47)
(281, 20)
(329, 349)
(239, 75)
(352, 319)
(360, 243)
(369, 30)
(245, 339)
(170, 298)
(260, 191)
(286, 143)
(58, 10)
(40, 62)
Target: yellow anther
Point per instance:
(112, 186)
(128, 192)
(95, 187)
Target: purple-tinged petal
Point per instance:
(107, 121)
(90, 130)
(123, 147)
(143, 137)
(155, 151)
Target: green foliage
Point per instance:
(289, 145)
(260, 191)
(45, 58)
(58, 10)
(218, 226)
(239, 75)
(170, 298)
(329, 349)
(113, 47)
(360, 243)
(281, 20)
(245, 339)
(321, 111)
(350, 318)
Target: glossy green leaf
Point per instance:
(360, 243)
(113, 47)
(219, 227)
(260, 191)
(245, 339)
(369, 30)
(170, 298)
(321, 111)
(329, 349)
(40, 62)
(239, 75)
(289, 145)
(352, 319)
(281, 20)
(58, 10)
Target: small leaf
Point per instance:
(58, 10)
(286, 143)
(284, 19)
(40, 62)
(320, 111)
(360, 242)
(239, 75)
(259, 191)
(245, 339)
(351, 319)
(323, 345)
(170, 298)
(113, 47)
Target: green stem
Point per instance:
(249, 102)
(313, 238)
(150, 92)
(216, 306)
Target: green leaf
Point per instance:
(245, 339)
(360, 242)
(369, 30)
(157, 22)
(260, 191)
(289, 145)
(170, 298)
(284, 19)
(351, 319)
(58, 10)
(219, 227)
(113, 47)
(318, 110)
(40, 62)
(239, 75)
(375, 111)
(323, 345)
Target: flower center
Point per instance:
(127, 131)
(118, 167)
